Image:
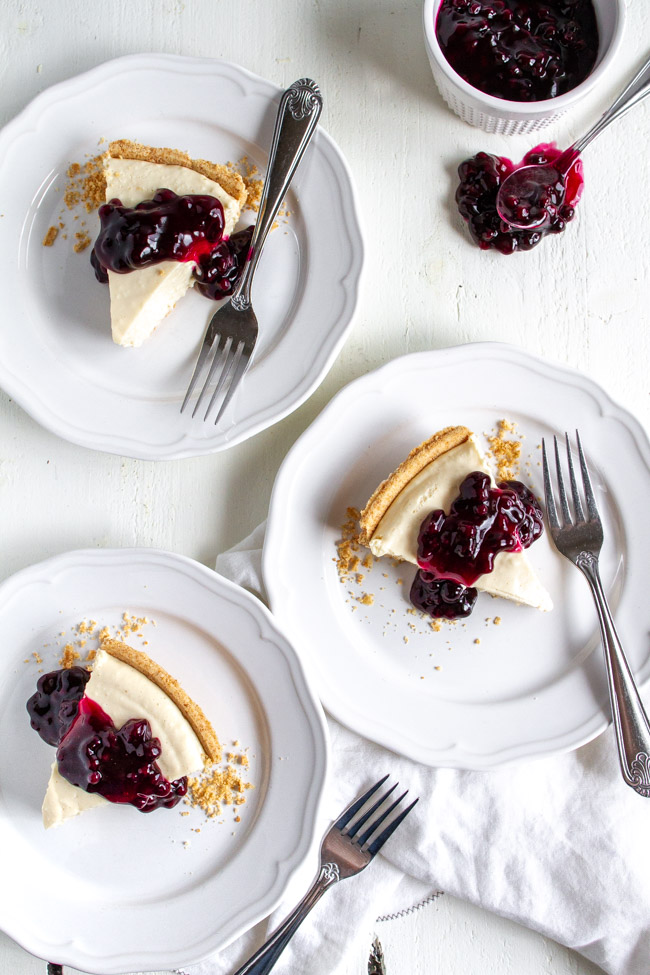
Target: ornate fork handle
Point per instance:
(298, 114)
(264, 959)
(630, 722)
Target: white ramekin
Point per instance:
(513, 118)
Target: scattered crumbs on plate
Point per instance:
(505, 449)
(347, 546)
(50, 236)
(217, 786)
(497, 620)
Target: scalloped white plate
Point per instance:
(116, 890)
(58, 360)
(474, 695)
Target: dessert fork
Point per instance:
(348, 847)
(580, 539)
(232, 332)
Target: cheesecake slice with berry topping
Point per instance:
(164, 212)
(430, 480)
(125, 732)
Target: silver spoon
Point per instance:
(531, 195)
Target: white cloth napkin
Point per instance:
(560, 845)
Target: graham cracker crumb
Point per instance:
(68, 657)
(497, 621)
(50, 236)
(82, 241)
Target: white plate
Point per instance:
(58, 360)
(533, 685)
(116, 890)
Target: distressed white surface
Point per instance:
(581, 299)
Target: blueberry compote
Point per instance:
(480, 179)
(170, 228)
(55, 704)
(218, 272)
(117, 763)
(455, 549)
(441, 598)
(520, 50)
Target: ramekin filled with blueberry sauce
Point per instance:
(513, 66)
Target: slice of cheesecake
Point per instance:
(133, 173)
(429, 479)
(127, 684)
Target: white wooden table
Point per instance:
(581, 300)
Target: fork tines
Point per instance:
(551, 509)
(356, 816)
(232, 352)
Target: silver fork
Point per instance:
(232, 332)
(348, 847)
(580, 539)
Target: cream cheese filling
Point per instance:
(142, 298)
(123, 692)
(436, 486)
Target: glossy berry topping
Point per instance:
(118, 764)
(480, 179)
(54, 706)
(165, 228)
(217, 272)
(441, 598)
(520, 50)
(482, 521)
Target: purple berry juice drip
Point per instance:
(476, 196)
(520, 50)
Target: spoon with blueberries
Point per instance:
(533, 195)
